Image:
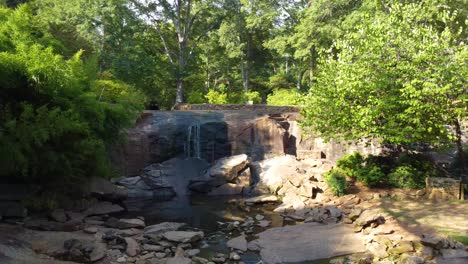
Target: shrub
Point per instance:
(406, 176)
(195, 97)
(216, 97)
(336, 181)
(286, 97)
(351, 164)
(371, 175)
(253, 96)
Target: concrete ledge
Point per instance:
(255, 107)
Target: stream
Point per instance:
(205, 213)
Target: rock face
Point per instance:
(209, 135)
(306, 242)
(438, 188)
(163, 181)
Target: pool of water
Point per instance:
(204, 213)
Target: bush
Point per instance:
(284, 97)
(371, 175)
(253, 96)
(55, 127)
(406, 176)
(216, 97)
(351, 164)
(195, 97)
(336, 181)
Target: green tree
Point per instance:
(400, 76)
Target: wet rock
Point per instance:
(259, 217)
(125, 223)
(239, 243)
(105, 190)
(333, 211)
(234, 256)
(103, 208)
(58, 215)
(133, 248)
(183, 236)
(262, 199)
(163, 227)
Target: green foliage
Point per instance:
(404, 171)
(351, 164)
(336, 181)
(195, 97)
(406, 176)
(284, 97)
(371, 175)
(399, 76)
(253, 96)
(54, 129)
(216, 97)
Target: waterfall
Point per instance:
(192, 145)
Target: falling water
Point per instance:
(192, 146)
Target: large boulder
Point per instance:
(307, 242)
(105, 190)
(224, 171)
(274, 172)
(147, 187)
(228, 168)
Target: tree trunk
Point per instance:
(179, 91)
(246, 69)
(461, 153)
(299, 79)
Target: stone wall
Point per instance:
(230, 107)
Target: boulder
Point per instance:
(306, 242)
(227, 189)
(183, 236)
(105, 190)
(148, 187)
(103, 208)
(274, 172)
(133, 248)
(228, 168)
(370, 216)
(125, 223)
(163, 228)
(239, 243)
(262, 199)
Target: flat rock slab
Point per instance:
(307, 242)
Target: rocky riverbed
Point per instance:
(281, 212)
